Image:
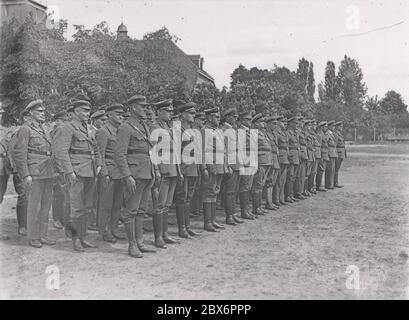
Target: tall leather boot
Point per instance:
(214, 223)
(244, 203)
(139, 235)
(180, 217)
(256, 204)
(233, 209)
(269, 199)
(228, 208)
(133, 250)
(165, 234)
(74, 228)
(21, 211)
(186, 214)
(158, 230)
(84, 226)
(208, 226)
(318, 182)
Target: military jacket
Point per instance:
(316, 145)
(231, 146)
(282, 140)
(167, 169)
(265, 152)
(274, 148)
(310, 145)
(332, 144)
(213, 146)
(32, 152)
(340, 145)
(132, 150)
(74, 151)
(324, 145)
(244, 150)
(293, 147)
(303, 145)
(106, 141)
(188, 169)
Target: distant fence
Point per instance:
(376, 134)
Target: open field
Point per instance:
(301, 251)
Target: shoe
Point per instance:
(236, 219)
(208, 226)
(86, 244)
(35, 243)
(93, 227)
(47, 241)
(277, 204)
(306, 194)
(133, 250)
(76, 243)
(258, 212)
(186, 215)
(299, 196)
(213, 218)
(192, 233)
(157, 231)
(230, 221)
(330, 188)
(271, 207)
(119, 236)
(289, 200)
(58, 225)
(244, 202)
(180, 218)
(109, 238)
(321, 189)
(165, 234)
(4, 237)
(144, 249)
(22, 231)
(338, 186)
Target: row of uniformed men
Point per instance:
(291, 162)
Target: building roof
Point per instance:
(122, 28)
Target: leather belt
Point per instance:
(73, 151)
(43, 153)
(109, 156)
(133, 151)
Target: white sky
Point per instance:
(262, 33)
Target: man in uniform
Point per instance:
(302, 170)
(265, 159)
(77, 157)
(246, 177)
(231, 181)
(111, 194)
(322, 165)
(316, 144)
(212, 173)
(170, 171)
(60, 204)
(332, 154)
(196, 202)
(340, 150)
(310, 152)
(272, 203)
(282, 139)
(33, 160)
(132, 157)
(186, 187)
(293, 158)
(98, 119)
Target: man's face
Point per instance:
(340, 128)
(98, 123)
(199, 121)
(164, 114)
(214, 119)
(231, 119)
(38, 114)
(188, 116)
(325, 128)
(82, 114)
(115, 118)
(246, 122)
(139, 110)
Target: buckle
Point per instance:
(48, 153)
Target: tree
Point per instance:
(330, 87)
(393, 103)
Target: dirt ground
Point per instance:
(302, 251)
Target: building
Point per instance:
(192, 64)
(21, 9)
(203, 76)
